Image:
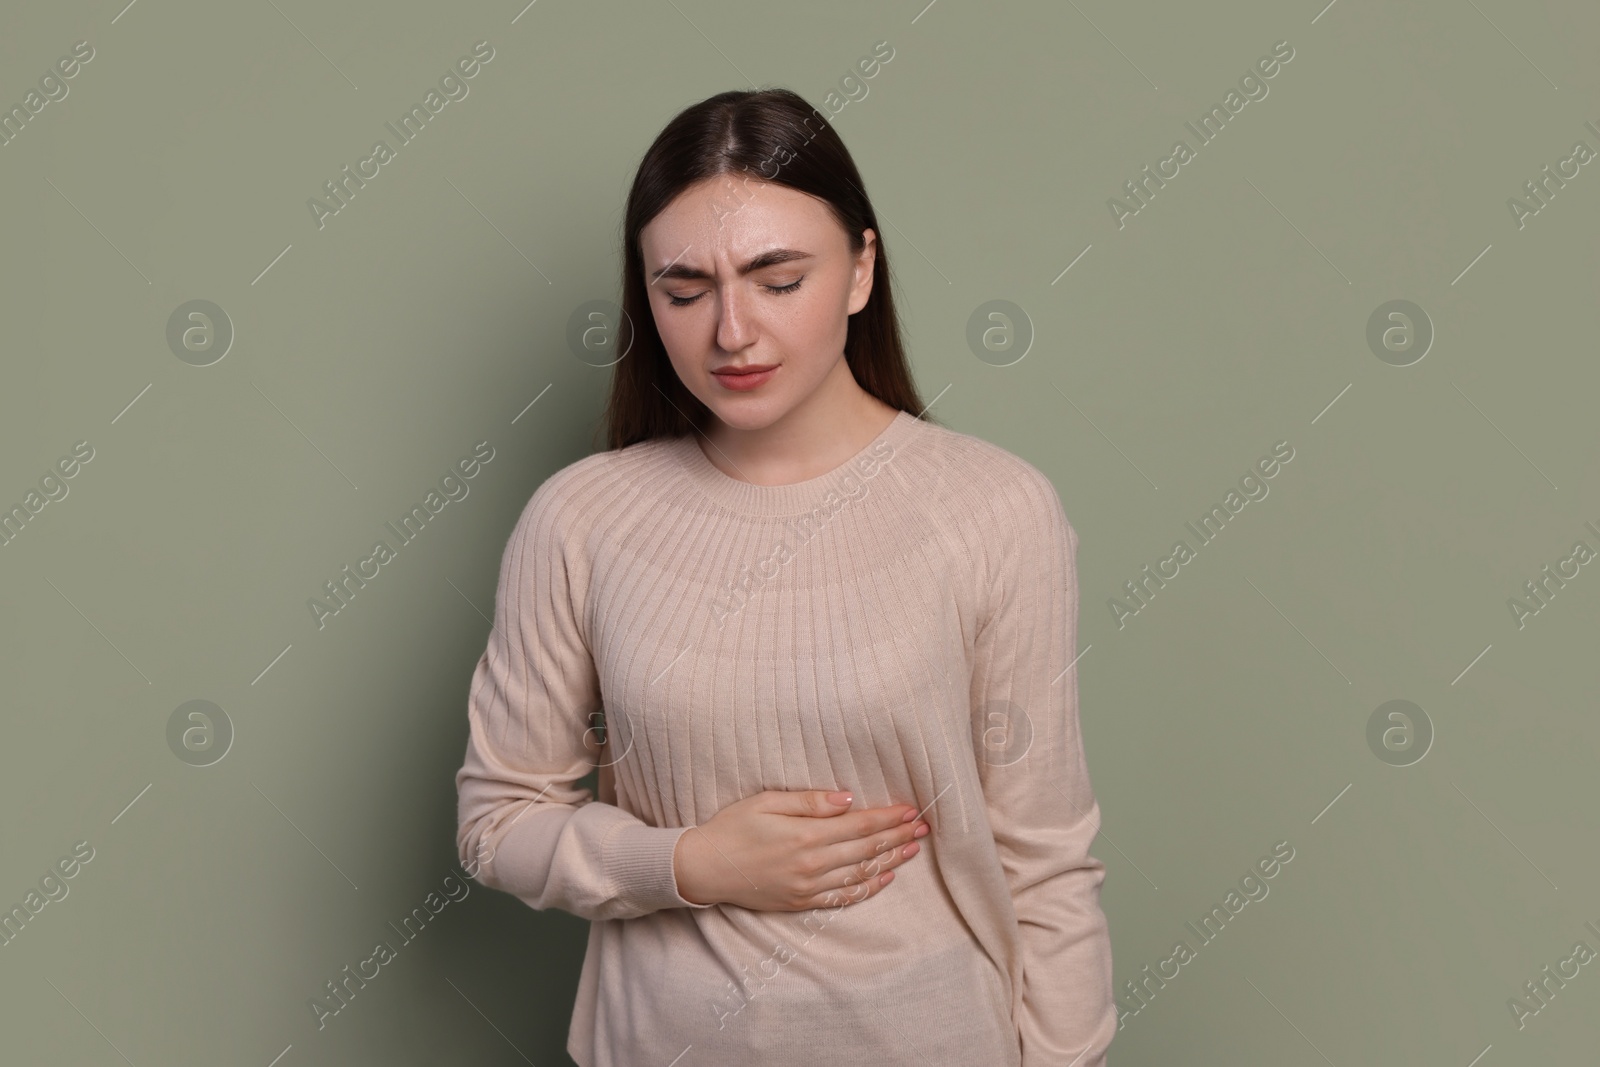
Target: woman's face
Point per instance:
(744, 273)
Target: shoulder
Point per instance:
(1002, 513)
(996, 488)
(601, 487)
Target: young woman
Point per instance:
(843, 812)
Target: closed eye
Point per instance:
(685, 301)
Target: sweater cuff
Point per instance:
(638, 861)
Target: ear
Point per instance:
(861, 280)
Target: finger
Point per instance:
(863, 824)
(847, 877)
(853, 892)
(810, 803)
(888, 858)
(858, 850)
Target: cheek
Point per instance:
(685, 345)
(672, 327)
(818, 320)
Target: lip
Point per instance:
(750, 376)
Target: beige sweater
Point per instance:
(903, 628)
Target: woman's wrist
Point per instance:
(684, 866)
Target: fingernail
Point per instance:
(921, 830)
(840, 798)
(912, 814)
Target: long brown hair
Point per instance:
(769, 135)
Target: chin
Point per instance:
(751, 414)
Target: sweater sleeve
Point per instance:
(1035, 777)
(523, 826)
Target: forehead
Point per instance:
(732, 218)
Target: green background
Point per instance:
(369, 355)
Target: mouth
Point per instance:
(746, 377)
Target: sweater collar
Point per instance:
(796, 498)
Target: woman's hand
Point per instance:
(794, 851)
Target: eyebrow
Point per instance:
(769, 258)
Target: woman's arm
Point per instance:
(1036, 779)
(534, 834)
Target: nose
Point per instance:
(735, 328)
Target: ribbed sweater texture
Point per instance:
(903, 627)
